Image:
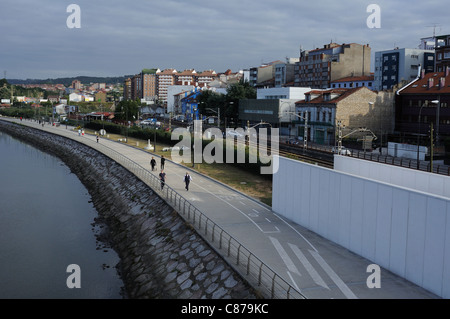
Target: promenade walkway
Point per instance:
(312, 265)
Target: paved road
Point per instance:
(318, 268)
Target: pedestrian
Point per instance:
(97, 138)
(79, 132)
(153, 163)
(187, 180)
(163, 161)
(162, 178)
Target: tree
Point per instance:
(125, 110)
(212, 100)
(235, 92)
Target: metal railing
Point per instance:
(403, 162)
(255, 271)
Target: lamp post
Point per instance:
(305, 134)
(418, 136)
(218, 115)
(438, 106)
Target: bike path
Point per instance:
(315, 266)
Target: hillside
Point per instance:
(68, 81)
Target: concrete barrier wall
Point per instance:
(402, 230)
(404, 177)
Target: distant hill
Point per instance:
(68, 81)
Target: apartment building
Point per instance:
(149, 84)
(206, 77)
(285, 72)
(154, 84)
(187, 77)
(424, 101)
(76, 85)
(400, 65)
(442, 48)
(318, 68)
(263, 75)
(165, 79)
(127, 89)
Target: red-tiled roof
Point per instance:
(421, 86)
(343, 93)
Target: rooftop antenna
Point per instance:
(434, 28)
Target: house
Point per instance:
(353, 108)
(189, 104)
(424, 101)
(75, 97)
(100, 96)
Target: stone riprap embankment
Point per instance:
(161, 256)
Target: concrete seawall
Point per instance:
(161, 256)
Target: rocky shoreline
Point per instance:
(160, 255)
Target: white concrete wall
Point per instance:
(406, 150)
(402, 230)
(409, 178)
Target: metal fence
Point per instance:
(255, 271)
(403, 162)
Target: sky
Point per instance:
(117, 38)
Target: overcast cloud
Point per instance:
(122, 37)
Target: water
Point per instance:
(47, 224)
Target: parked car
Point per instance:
(234, 134)
(175, 148)
(344, 151)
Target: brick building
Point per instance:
(354, 108)
(318, 68)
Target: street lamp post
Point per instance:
(438, 106)
(218, 115)
(418, 136)
(305, 134)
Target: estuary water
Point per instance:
(46, 224)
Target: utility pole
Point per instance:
(431, 147)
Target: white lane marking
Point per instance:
(293, 281)
(256, 211)
(284, 256)
(295, 230)
(269, 220)
(277, 230)
(309, 268)
(243, 203)
(337, 280)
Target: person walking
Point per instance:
(187, 180)
(162, 178)
(97, 138)
(163, 161)
(153, 163)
